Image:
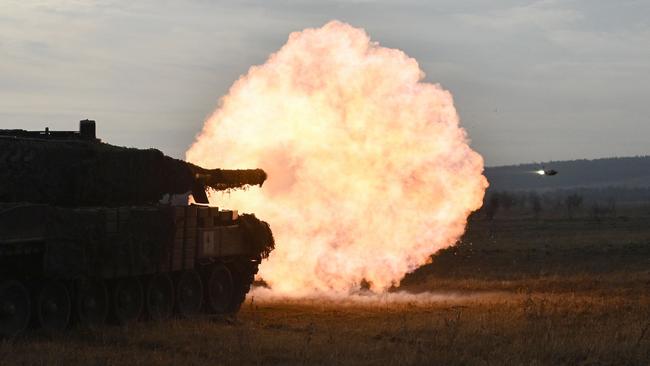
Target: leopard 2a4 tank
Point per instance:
(89, 234)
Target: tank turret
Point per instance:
(74, 168)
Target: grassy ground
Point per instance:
(515, 329)
(515, 292)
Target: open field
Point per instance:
(515, 291)
(550, 255)
(497, 329)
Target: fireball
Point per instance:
(369, 170)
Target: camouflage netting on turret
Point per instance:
(258, 234)
(79, 173)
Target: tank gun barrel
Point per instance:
(224, 179)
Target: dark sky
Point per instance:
(533, 80)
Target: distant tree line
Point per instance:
(597, 203)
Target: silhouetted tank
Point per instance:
(91, 232)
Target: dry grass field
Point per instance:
(514, 292)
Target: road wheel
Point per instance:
(160, 297)
(219, 289)
(128, 300)
(53, 306)
(92, 302)
(189, 294)
(15, 308)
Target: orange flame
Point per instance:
(369, 171)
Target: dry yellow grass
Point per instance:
(514, 329)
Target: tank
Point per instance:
(92, 233)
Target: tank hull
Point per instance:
(148, 245)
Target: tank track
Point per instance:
(56, 305)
